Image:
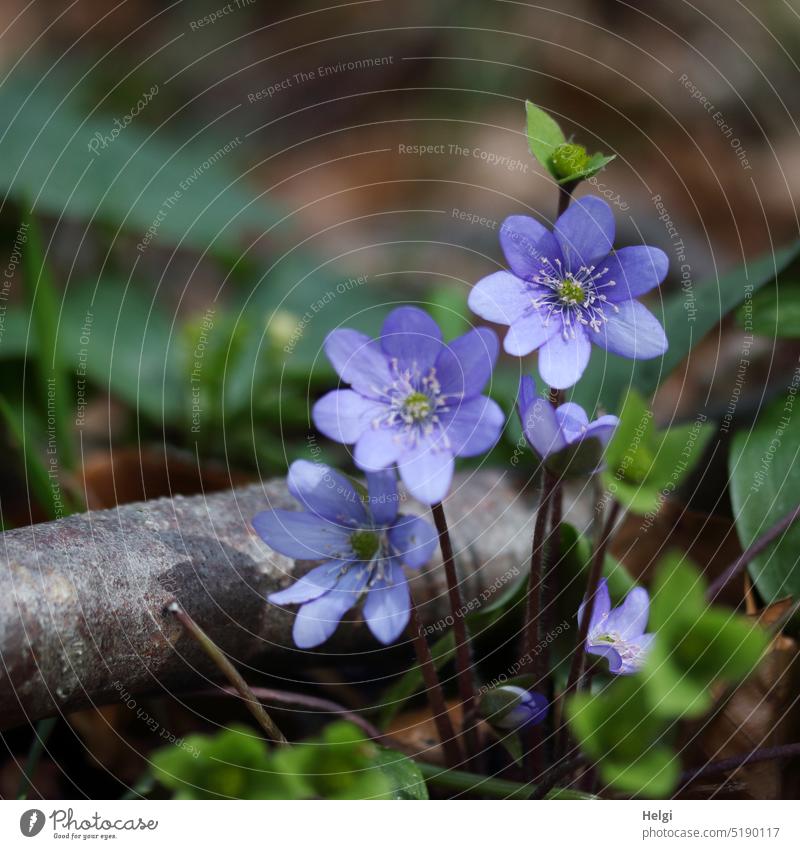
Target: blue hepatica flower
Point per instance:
(619, 634)
(414, 399)
(566, 290)
(530, 709)
(563, 437)
(364, 542)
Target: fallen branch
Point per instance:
(83, 599)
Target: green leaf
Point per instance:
(404, 775)
(764, 470)
(620, 731)
(118, 338)
(643, 467)
(36, 473)
(654, 774)
(236, 763)
(55, 384)
(695, 644)
(596, 163)
(187, 188)
(544, 135)
(773, 313)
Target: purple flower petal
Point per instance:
(472, 426)
(500, 298)
(529, 333)
(412, 337)
(563, 361)
(413, 540)
(383, 498)
(629, 620)
(602, 429)
(326, 492)
(377, 449)
(573, 421)
(585, 233)
(465, 365)
(541, 428)
(632, 332)
(602, 607)
(526, 243)
(635, 271)
(312, 585)
(302, 536)
(388, 607)
(359, 361)
(609, 653)
(526, 395)
(427, 471)
(317, 620)
(343, 415)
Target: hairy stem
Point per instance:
(565, 196)
(595, 573)
(434, 692)
(464, 674)
(752, 552)
(216, 654)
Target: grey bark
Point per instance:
(82, 599)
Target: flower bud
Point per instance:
(512, 708)
(569, 160)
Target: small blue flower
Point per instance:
(530, 709)
(364, 544)
(568, 290)
(414, 399)
(619, 634)
(562, 436)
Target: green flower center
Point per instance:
(571, 292)
(569, 159)
(417, 406)
(364, 544)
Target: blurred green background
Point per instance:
(215, 186)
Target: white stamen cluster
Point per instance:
(414, 404)
(573, 298)
(632, 654)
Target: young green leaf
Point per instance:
(544, 135)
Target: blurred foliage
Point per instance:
(236, 764)
(773, 313)
(765, 485)
(644, 466)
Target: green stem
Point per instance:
(255, 707)
(454, 779)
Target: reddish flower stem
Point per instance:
(464, 674)
(312, 703)
(434, 692)
(790, 750)
(752, 551)
(593, 582)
